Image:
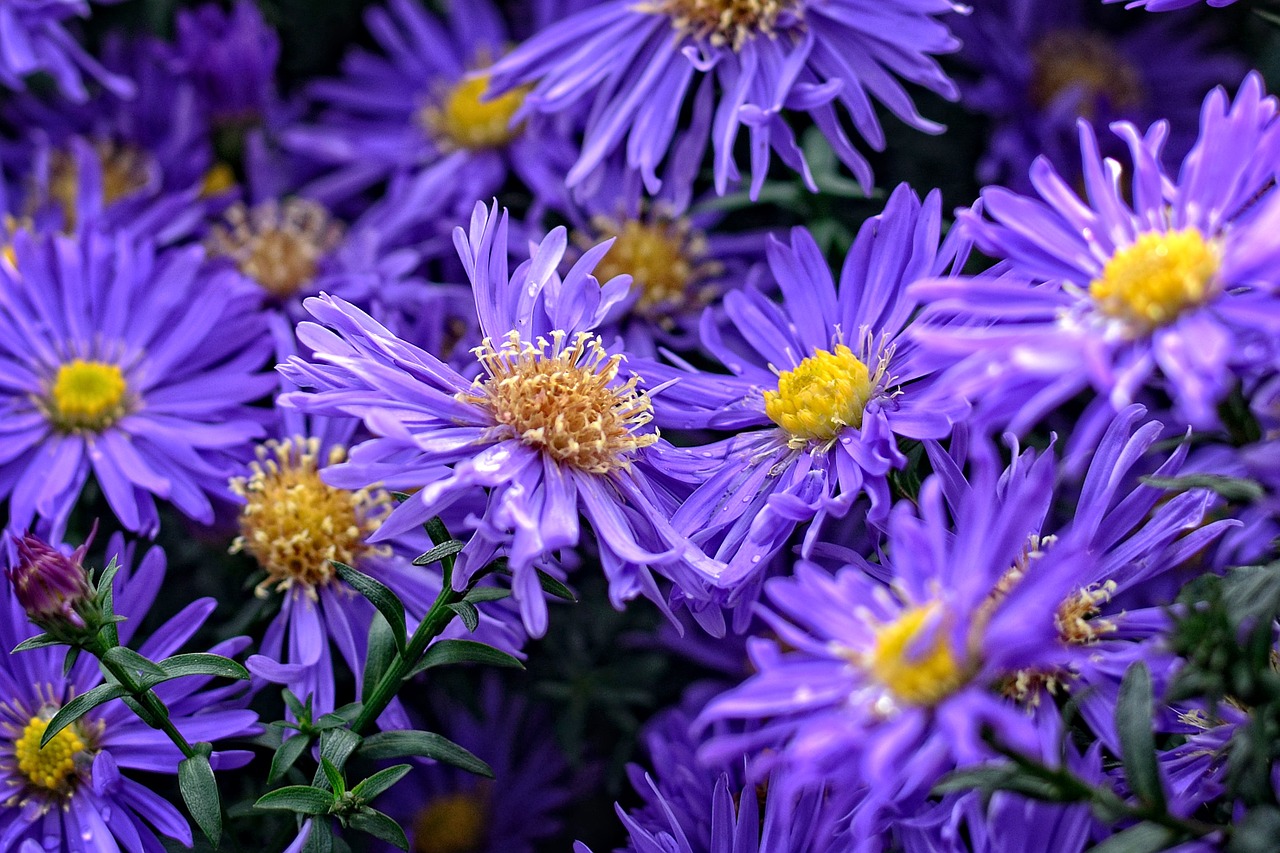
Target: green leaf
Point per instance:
(377, 660)
(201, 663)
(1006, 777)
(136, 664)
(286, 755)
(69, 660)
(79, 706)
(106, 602)
(1237, 489)
(437, 531)
(300, 712)
(39, 641)
(1257, 833)
(200, 792)
(551, 586)
(337, 746)
(1134, 710)
(405, 744)
(387, 602)
(335, 778)
(321, 839)
(440, 552)
(467, 613)
(1144, 837)
(380, 826)
(445, 652)
(302, 799)
(370, 788)
(486, 593)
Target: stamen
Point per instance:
(1088, 62)
(916, 671)
(1161, 274)
(823, 394)
(49, 768)
(86, 395)
(125, 170)
(462, 117)
(722, 22)
(279, 246)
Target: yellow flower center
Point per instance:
(87, 395)
(1087, 62)
(50, 767)
(664, 257)
(220, 178)
(562, 400)
(1157, 277)
(821, 396)
(914, 674)
(454, 823)
(294, 524)
(464, 118)
(279, 246)
(125, 170)
(722, 22)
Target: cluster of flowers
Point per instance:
(906, 514)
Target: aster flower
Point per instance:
(822, 387)
(635, 66)
(445, 809)
(420, 99)
(1043, 64)
(72, 795)
(126, 363)
(231, 57)
(35, 40)
(548, 429)
(1171, 294)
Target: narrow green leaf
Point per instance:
(301, 712)
(437, 531)
(445, 652)
(486, 593)
(406, 744)
(467, 613)
(321, 838)
(380, 826)
(200, 663)
(440, 552)
(551, 586)
(331, 773)
(69, 660)
(1143, 837)
(200, 793)
(337, 746)
(1236, 489)
(387, 602)
(302, 799)
(79, 706)
(39, 641)
(1137, 741)
(377, 660)
(370, 788)
(286, 755)
(106, 601)
(135, 663)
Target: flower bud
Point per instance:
(50, 585)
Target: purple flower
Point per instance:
(549, 430)
(72, 795)
(124, 362)
(822, 387)
(48, 584)
(1173, 293)
(36, 41)
(635, 66)
(1043, 64)
(422, 98)
(231, 56)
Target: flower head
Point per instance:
(49, 585)
(37, 41)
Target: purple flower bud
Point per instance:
(49, 584)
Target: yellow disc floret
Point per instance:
(1161, 274)
(454, 823)
(1087, 62)
(665, 257)
(821, 396)
(916, 670)
(722, 22)
(465, 118)
(86, 395)
(47, 768)
(294, 524)
(560, 397)
(125, 170)
(278, 245)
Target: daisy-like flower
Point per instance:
(129, 364)
(231, 57)
(549, 428)
(35, 40)
(822, 388)
(1042, 64)
(1172, 293)
(71, 795)
(890, 686)
(423, 98)
(634, 66)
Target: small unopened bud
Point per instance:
(50, 585)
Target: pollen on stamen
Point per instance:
(296, 525)
(278, 245)
(723, 22)
(560, 396)
(823, 394)
(86, 395)
(1156, 278)
(1088, 62)
(913, 659)
(48, 769)
(453, 823)
(666, 258)
(461, 116)
(125, 170)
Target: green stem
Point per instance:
(157, 714)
